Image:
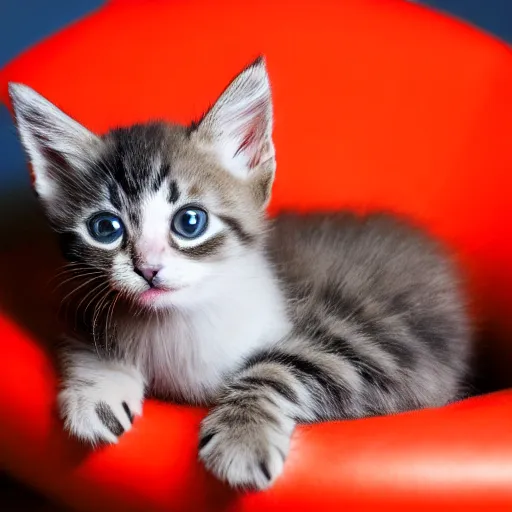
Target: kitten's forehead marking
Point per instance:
(174, 192)
(114, 196)
(160, 171)
(139, 158)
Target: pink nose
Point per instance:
(148, 272)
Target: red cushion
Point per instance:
(378, 103)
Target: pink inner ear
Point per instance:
(254, 143)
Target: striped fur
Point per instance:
(274, 323)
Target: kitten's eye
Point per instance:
(190, 222)
(105, 227)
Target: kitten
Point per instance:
(191, 294)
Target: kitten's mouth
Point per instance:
(151, 294)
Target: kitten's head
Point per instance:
(156, 210)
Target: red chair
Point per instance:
(378, 104)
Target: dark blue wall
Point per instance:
(494, 16)
(23, 23)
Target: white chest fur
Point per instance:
(186, 353)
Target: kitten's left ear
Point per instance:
(238, 128)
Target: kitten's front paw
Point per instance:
(98, 404)
(246, 452)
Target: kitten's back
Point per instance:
(363, 253)
(382, 285)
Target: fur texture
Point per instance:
(299, 319)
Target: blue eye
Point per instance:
(105, 227)
(190, 222)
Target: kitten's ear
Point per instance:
(57, 145)
(239, 127)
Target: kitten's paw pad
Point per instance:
(100, 406)
(245, 455)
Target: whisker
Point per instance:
(104, 285)
(72, 292)
(78, 276)
(96, 313)
(96, 292)
(110, 314)
(71, 270)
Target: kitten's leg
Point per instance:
(246, 437)
(99, 398)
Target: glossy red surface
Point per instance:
(378, 104)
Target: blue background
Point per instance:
(24, 22)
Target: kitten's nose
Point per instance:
(148, 272)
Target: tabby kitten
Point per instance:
(193, 295)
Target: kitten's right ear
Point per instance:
(238, 129)
(57, 145)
